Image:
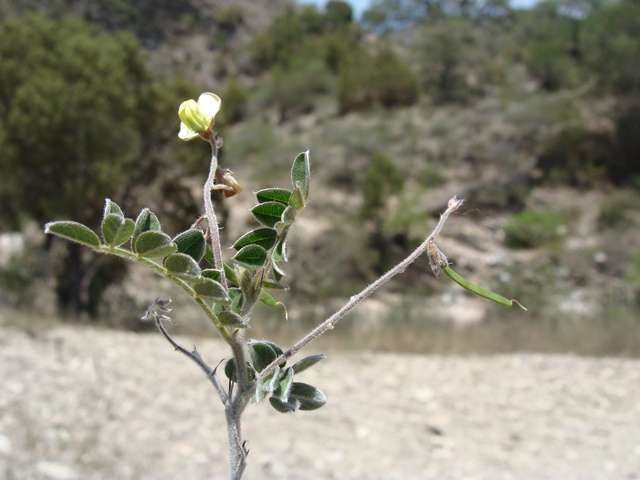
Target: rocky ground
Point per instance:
(80, 403)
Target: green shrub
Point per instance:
(290, 33)
(384, 79)
(533, 228)
(394, 83)
(228, 20)
(354, 92)
(381, 180)
(613, 50)
(293, 91)
(578, 157)
(338, 14)
(449, 56)
(549, 61)
(625, 167)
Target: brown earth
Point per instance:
(80, 403)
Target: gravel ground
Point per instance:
(81, 403)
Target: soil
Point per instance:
(81, 403)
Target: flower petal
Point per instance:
(186, 133)
(209, 104)
(193, 117)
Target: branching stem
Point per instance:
(197, 358)
(329, 323)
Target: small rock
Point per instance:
(5, 445)
(56, 471)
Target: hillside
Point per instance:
(536, 138)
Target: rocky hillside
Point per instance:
(539, 146)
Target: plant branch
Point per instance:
(329, 323)
(214, 230)
(195, 356)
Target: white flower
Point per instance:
(197, 118)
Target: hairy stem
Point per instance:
(214, 231)
(233, 405)
(329, 323)
(237, 451)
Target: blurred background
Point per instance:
(528, 111)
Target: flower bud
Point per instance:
(192, 117)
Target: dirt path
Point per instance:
(90, 404)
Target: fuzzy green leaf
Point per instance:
(280, 252)
(211, 273)
(273, 195)
(284, 407)
(230, 370)
(263, 352)
(284, 385)
(265, 237)
(273, 284)
(261, 390)
(268, 213)
(278, 273)
(231, 319)
(269, 300)
(208, 256)
(307, 362)
(271, 386)
(236, 301)
(183, 266)
(154, 244)
(116, 230)
(251, 256)
(288, 217)
(310, 397)
(191, 243)
(73, 231)
(230, 274)
(297, 199)
(301, 173)
(212, 291)
(112, 208)
(146, 222)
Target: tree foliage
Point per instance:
(71, 125)
(384, 79)
(613, 49)
(80, 118)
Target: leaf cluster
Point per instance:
(284, 394)
(227, 295)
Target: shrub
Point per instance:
(578, 157)
(338, 14)
(228, 20)
(448, 56)
(613, 50)
(381, 180)
(354, 91)
(293, 91)
(549, 62)
(383, 79)
(395, 83)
